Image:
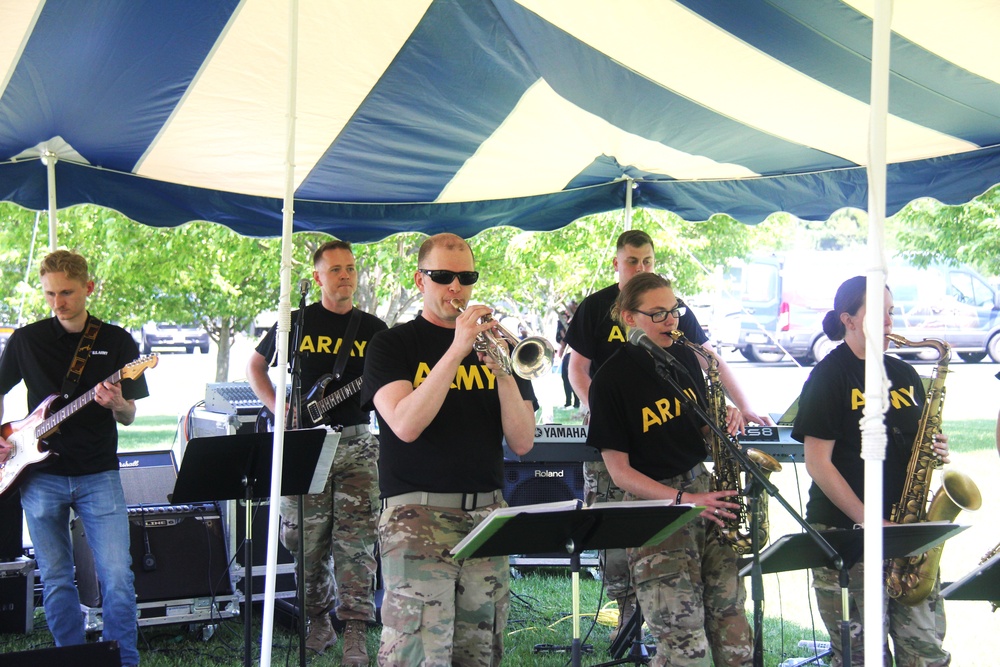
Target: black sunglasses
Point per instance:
(442, 277)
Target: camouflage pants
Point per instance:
(340, 533)
(598, 488)
(917, 632)
(691, 594)
(439, 611)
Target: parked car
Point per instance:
(188, 336)
(785, 299)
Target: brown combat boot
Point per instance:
(321, 633)
(626, 610)
(355, 646)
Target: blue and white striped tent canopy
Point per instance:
(458, 115)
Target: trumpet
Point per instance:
(530, 358)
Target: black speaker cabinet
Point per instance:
(100, 654)
(11, 527)
(177, 553)
(527, 483)
(530, 483)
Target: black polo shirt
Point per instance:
(40, 354)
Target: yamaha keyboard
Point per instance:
(568, 442)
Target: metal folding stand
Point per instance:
(801, 551)
(983, 583)
(548, 527)
(239, 466)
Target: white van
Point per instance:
(785, 298)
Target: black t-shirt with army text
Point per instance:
(461, 450)
(323, 333)
(830, 408)
(635, 411)
(594, 333)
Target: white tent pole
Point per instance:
(629, 184)
(284, 327)
(49, 159)
(873, 438)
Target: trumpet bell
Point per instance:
(532, 357)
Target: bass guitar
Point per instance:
(27, 436)
(315, 407)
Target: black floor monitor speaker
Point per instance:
(100, 654)
(177, 553)
(11, 527)
(527, 483)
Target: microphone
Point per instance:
(639, 338)
(304, 286)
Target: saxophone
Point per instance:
(726, 469)
(910, 580)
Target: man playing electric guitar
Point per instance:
(340, 523)
(73, 354)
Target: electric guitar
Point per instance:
(315, 407)
(27, 436)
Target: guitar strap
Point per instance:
(81, 355)
(347, 344)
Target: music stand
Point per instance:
(800, 551)
(572, 527)
(983, 583)
(231, 467)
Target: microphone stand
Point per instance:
(291, 423)
(759, 484)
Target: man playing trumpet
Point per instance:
(443, 412)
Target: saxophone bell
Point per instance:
(910, 580)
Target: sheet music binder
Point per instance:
(214, 467)
(548, 527)
(983, 583)
(798, 551)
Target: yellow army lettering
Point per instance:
(899, 398)
(322, 345)
(466, 377)
(662, 413)
(616, 335)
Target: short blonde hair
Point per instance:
(64, 261)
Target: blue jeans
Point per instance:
(100, 503)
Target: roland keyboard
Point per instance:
(568, 442)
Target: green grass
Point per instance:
(541, 614)
(970, 435)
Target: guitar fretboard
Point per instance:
(66, 411)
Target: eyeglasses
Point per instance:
(442, 277)
(661, 315)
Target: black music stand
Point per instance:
(983, 583)
(571, 527)
(800, 551)
(231, 467)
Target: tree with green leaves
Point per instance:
(928, 231)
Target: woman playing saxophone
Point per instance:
(654, 447)
(828, 423)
